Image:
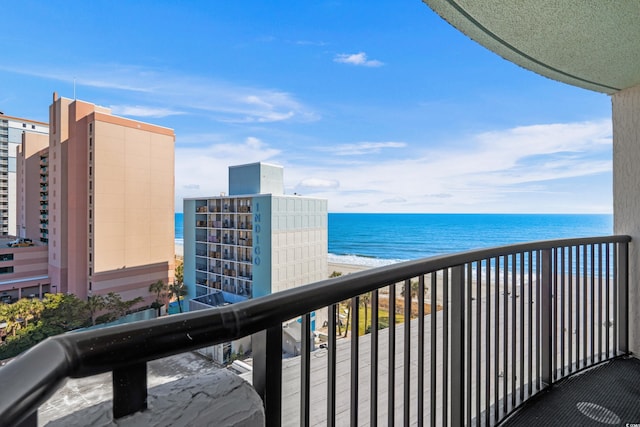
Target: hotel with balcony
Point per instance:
(99, 192)
(254, 241)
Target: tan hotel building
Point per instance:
(99, 191)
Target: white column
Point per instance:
(626, 194)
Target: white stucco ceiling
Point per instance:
(594, 44)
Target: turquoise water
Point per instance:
(378, 239)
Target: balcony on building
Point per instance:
(526, 334)
(486, 335)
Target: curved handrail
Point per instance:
(39, 372)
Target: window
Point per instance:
(6, 257)
(33, 126)
(24, 125)
(90, 128)
(6, 270)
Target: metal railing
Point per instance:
(474, 335)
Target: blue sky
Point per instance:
(376, 106)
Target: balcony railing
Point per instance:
(504, 324)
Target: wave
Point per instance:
(361, 260)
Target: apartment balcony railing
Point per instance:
(491, 329)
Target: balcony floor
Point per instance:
(608, 394)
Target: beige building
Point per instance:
(23, 272)
(11, 131)
(104, 200)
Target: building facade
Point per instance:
(251, 243)
(99, 193)
(254, 241)
(12, 130)
(23, 272)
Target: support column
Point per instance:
(626, 194)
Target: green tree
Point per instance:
(116, 307)
(348, 305)
(414, 289)
(95, 303)
(335, 274)
(160, 289)
(178, 290)
(365, 300)
(65, 312)
(9, 315)
(179, 274)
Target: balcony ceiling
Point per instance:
(593, 44)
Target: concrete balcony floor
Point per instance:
(607, 394)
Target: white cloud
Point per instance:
(202, 170)
(317, 184)
(394, 200)
(361, 148)
(221, 100)
(521, 169)
(309, 43)
(142, 111)
(359, 59)
(354, 205)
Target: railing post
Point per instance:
(305, 369)
(129, 389)
(623, 297)
(457, 345)
(267, 371)
(546, 279)
(355, 349)
(331, 367)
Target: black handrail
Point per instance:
(38, 373)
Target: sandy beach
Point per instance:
(344, 268)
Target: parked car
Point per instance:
(20, 243)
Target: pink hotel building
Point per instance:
(98, 192)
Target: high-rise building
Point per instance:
(254, 241)
(100, 193)
(11, 131)
(251, 243)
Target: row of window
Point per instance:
(90, 203)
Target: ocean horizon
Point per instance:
(374, 239)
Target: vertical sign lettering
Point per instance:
(256, 229)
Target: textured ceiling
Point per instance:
(594, 44)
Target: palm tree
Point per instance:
(178, 290)
(365, 300)
(158, 288)
(179, 273)
(348, 304)
(9, 314)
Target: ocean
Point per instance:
(382, 239)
